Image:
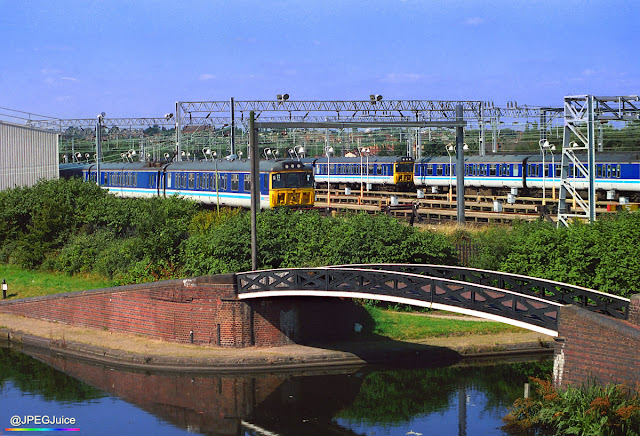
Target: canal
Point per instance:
(45, 391)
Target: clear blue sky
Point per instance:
(76, 58)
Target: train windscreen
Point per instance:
(292, 180)
(404, 168)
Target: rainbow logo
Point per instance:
(41, 429)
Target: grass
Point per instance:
(407, 326)
(25, 283)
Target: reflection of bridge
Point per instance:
(522, 301)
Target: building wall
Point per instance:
(593, 347)
(26, 155)
(207, 306)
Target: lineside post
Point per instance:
(460, 165)
(255, 189)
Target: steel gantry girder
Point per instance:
(60, 125)
(580, 111)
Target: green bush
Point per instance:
(289, 239)
(41, 218)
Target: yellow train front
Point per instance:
(290, 183)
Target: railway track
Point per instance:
(439, 207)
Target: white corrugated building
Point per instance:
(26, 155)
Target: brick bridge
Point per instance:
(597, 334)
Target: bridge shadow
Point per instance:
(382, 351)
(328, 323)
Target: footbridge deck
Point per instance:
(526, 302)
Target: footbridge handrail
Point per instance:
(590, 299)
(527, 311)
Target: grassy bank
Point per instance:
(411, 326)
(24, 283)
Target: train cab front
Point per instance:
(403, 171)
(292, 186)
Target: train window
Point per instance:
(247, 182)
(378, 169)
(235, 182)
(191, 181)
(516, 170)
(438, 170)
(222, 182)
(447, 170)
(429, 170)
(598, 170)
(493, 170)
(618, 170)
(608, 171)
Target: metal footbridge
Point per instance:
(522, 301)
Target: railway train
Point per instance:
(618, 173)
(291, 182)
(615, 172)
(383, 172)
(283, 182)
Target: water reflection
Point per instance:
(361, 402)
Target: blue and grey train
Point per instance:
(222, 182)
(381, 172)
(619, 172)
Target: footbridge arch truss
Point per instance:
(522, 301)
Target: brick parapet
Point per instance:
(594, 347)
(204, 310)
(634, 310)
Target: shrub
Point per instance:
(589, 410)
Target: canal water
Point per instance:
(38, 390)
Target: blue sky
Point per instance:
(76, 58)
